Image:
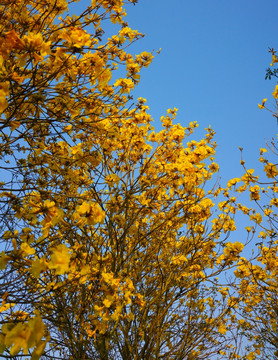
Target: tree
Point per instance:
(258, 280)
(111, 243)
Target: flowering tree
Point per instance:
(111, 243)
(257, 288)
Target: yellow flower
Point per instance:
(271, 170)
(126, 84)
(38, 266)
(251, 356)
(103, 78)
(13, 40)
(222, 329)
(27, 249)
(254, 192)
(4, 259)
(274, 60)
(257, 218)
(108, 301)
(275, 92)
(23, 335)
(233, 248)
(36, 43)
(89, 213)
(274, 202)
(233, 182)
(5, 307)
(60, 259)
(261, 106)
(37, 328)
(77, 37)
(4, 92)
(248, 177)
(17, 336)
(267, 212)
(214, 167)
(112, 179)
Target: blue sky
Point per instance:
(212, 68)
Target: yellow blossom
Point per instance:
(17, 337)
(4, 92)
(36, 43)
(274, 202)
(27, 250)
(5, 307)
(89, 213)
(60, 259)
(38, 266)
(233, 182)
(125, 84)
(261, 106)
(275, 92)
(254, 192)
(23, 335)
(267, 212)
(222, 329)
(257, 218)
(274, 59)
(271, 170)
(262, 150)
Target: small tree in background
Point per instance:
(258, 280)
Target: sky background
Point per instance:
(212, 64)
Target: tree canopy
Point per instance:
(114, 236)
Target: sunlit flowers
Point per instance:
(271, 170)
(36, 43)
(231, 252)
(233, 182)
(77, 37)
(125, 84)
(89, 213)
(254, 192)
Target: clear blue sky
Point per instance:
(212, 68)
